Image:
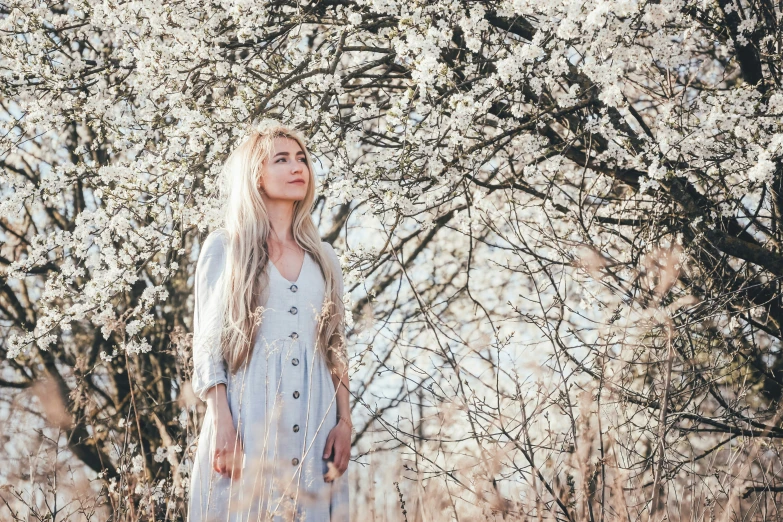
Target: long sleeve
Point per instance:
(208, 365)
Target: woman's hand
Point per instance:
(228, 453)
(228, 456)
(338, 449)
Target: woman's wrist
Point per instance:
(217, 403)
(345, 419)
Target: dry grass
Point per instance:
(602, 433)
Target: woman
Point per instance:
(269, 347)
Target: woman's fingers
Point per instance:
(338, 455)
(221, 462)
(329, 445)
(345, 455)
(235, 464)
(331, 472)
(344, 463)
(341, 456)
(216, 460)
(340, 447)
(229, 462)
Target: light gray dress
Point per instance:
(283, 402)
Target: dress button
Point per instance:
(296, 428)
(295, 362)
(293, 288)
(292, 310)
(296, 395)
(295, 461)
(294, 335)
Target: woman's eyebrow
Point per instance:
(285, 153)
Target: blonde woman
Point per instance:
(269, 347)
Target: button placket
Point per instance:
(295, 375)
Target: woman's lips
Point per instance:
(301, 182)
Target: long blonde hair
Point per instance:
(246, 279)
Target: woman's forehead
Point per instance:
(284, 143)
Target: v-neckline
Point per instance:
(298, 277)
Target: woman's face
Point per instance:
(286, 173)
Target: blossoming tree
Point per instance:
(559, 224)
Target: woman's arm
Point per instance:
(208, 365)
(338, 443)
(341, 385)
(209, 372)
